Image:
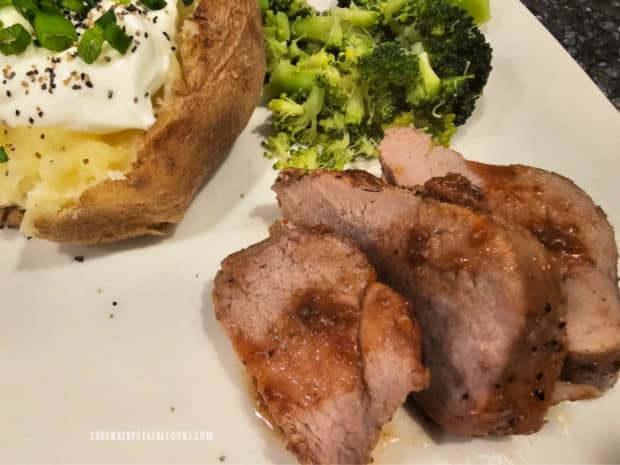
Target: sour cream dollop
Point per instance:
(41, 88)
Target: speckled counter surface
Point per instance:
(590, 31)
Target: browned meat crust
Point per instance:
(561, 215)
(333, 353)
(485, 294)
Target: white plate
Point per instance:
(68, 369)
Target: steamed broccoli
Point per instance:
(298, 120)
(277, 32)
(343, 76)
(455, 47)
(291, 8)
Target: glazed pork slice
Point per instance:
(333, 353)
(560, 214)
(486, 296)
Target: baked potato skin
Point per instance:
(223, 64)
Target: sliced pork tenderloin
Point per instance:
(486, 295)
(332, 352)
(560, 214)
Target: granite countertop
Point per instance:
(590, 31)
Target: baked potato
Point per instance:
(207, 103)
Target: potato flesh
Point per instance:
(45, 175)
(50, 168)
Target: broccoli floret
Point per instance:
(358, 42)
(299, 78)
(405, 119)
(389, 63)
(292, 8)
(298, 120)
(365, 147)
(284, 108)
(334, 123)
(384, 104)
(390, 7)
(277, 146)
(455, 48)
(479, 10)
(277, 34)
(304, 158)
(441, 126)
(385, 73)
(336, 154)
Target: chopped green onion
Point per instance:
(117, 38)
(3, 156)
(106, 19)
(4, 3)
(26, 8)
(74, 5)
(154, 4)
(188, 2)
(50, 6)
(14, 39)
(54, 32)
(124, 2)
(91, 43)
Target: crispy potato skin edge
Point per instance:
(223, 65)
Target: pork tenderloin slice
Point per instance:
(485, 295)
(560, 214)
(302, 310)
(386, 333)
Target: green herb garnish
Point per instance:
(76, 6)
(106, 19)
(117, 38)
(3, 156)
(14, 39)
(50, 6)
(154, 4)
(112, 33)
(54, 32)
(26, 8)
(91, 43)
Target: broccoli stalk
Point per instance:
(288, 78)
(323, 29)
(356, 16)
(427, 85)
(354, 108)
